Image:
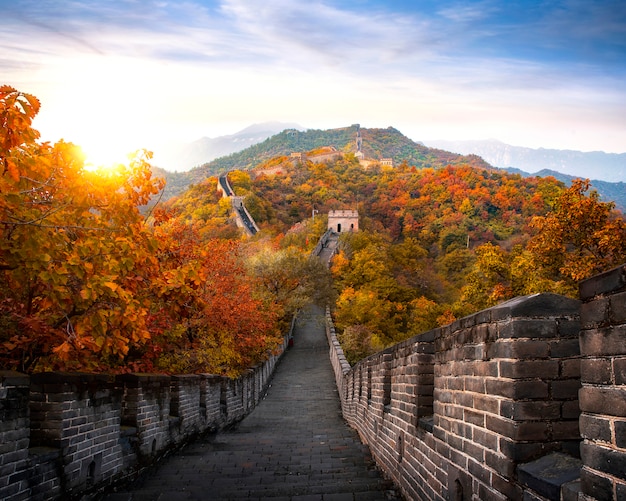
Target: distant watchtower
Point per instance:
(359, 142)
(343, 221)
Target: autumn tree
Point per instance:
(208, 314)
(580, 237)
(291, 279)
(75, 254)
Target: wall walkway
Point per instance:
(293, 446)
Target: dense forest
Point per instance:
(435, 243)
(96, 278)
(101, 273)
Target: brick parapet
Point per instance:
(64, 435)
(603, 392)
(14, 435)
(456, 410)
(79, 414)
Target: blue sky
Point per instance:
(125, 74)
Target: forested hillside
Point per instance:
(435, 243)
(101, 274)
(609, 192)
(377, 144)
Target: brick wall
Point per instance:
(64, 435)
(455, 412)
(80, 415)
(603, 393)
(14, 435)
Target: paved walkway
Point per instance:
(294, 446)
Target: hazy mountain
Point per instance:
(183, 157)
(595, 164)
(609, 192)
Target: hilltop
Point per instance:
(377, 144)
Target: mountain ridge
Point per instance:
(608, 167)
(377, 144)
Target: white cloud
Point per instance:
(141, 73)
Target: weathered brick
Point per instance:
(546, 304)
(620, 433)
(518, 390)
(521, 452)
(618, 308)
(594, 313)
(545, 369)
(610, 281)
(570, 368)
(473, 417)
(570, 409)
(506, 486)
(519, 349)
(566, 430)
(619, 370)
(602, 342)
(500, 425)
(532, 328)
(532, 431)
(604, 459)
(565, 389)
(486, 403)
(603, 400)
(595, 370)
(530, 410)
(485, 438)
(565, 348)
(500, 464)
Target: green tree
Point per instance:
(291, 278)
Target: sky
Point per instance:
(119, 75)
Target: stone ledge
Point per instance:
(547, 475)
(605, 283)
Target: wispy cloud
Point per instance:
(239, 60)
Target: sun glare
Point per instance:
(104, 157)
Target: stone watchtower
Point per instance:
(342, 221)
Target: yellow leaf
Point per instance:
(111, 285)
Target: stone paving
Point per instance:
(294, 446)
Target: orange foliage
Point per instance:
(87, 284)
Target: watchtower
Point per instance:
(343, 221)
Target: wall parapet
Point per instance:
(454, 412)
(603, 392)
(65, 435)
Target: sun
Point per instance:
(105, 156)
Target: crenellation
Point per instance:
(67, 434)
(503, 391)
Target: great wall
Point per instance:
(522, 401)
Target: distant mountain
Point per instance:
(597, 164)
(183, 157)
(609, 192)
